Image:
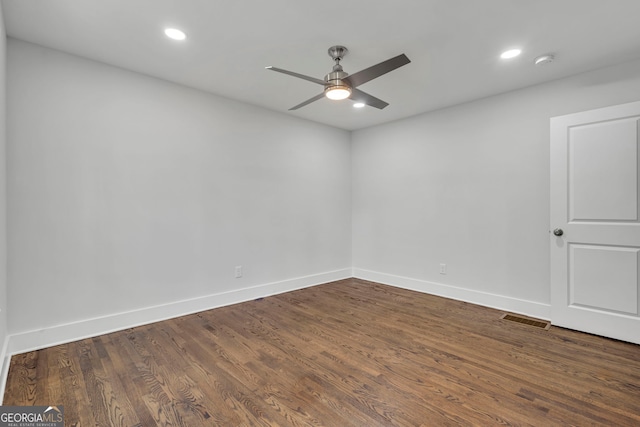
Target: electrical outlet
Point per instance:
(443, 268)
(238, 271)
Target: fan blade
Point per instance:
(300, 76)
(377, 70)
(360, 96)
(308, 101)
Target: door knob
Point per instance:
(558, 232)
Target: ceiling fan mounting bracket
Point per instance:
(337, 52)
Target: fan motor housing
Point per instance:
(335, 77)
(334, 82)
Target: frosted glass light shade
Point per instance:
(338, 92)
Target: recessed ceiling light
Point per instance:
(358, 105)
(512, 53)
(175, 34)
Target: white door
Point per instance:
(595, 179)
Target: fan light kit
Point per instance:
(340, 85)
(337, 92)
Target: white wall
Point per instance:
(468, 186)
(126, 192)
(3, 195)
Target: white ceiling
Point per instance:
(454, 45)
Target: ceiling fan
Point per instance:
(340, 85)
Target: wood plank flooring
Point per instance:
(347, 353)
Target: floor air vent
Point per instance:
(527, 321)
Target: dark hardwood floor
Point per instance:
(348, 353)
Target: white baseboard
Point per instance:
(60, 334)
(500, 302)
(4, 367)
